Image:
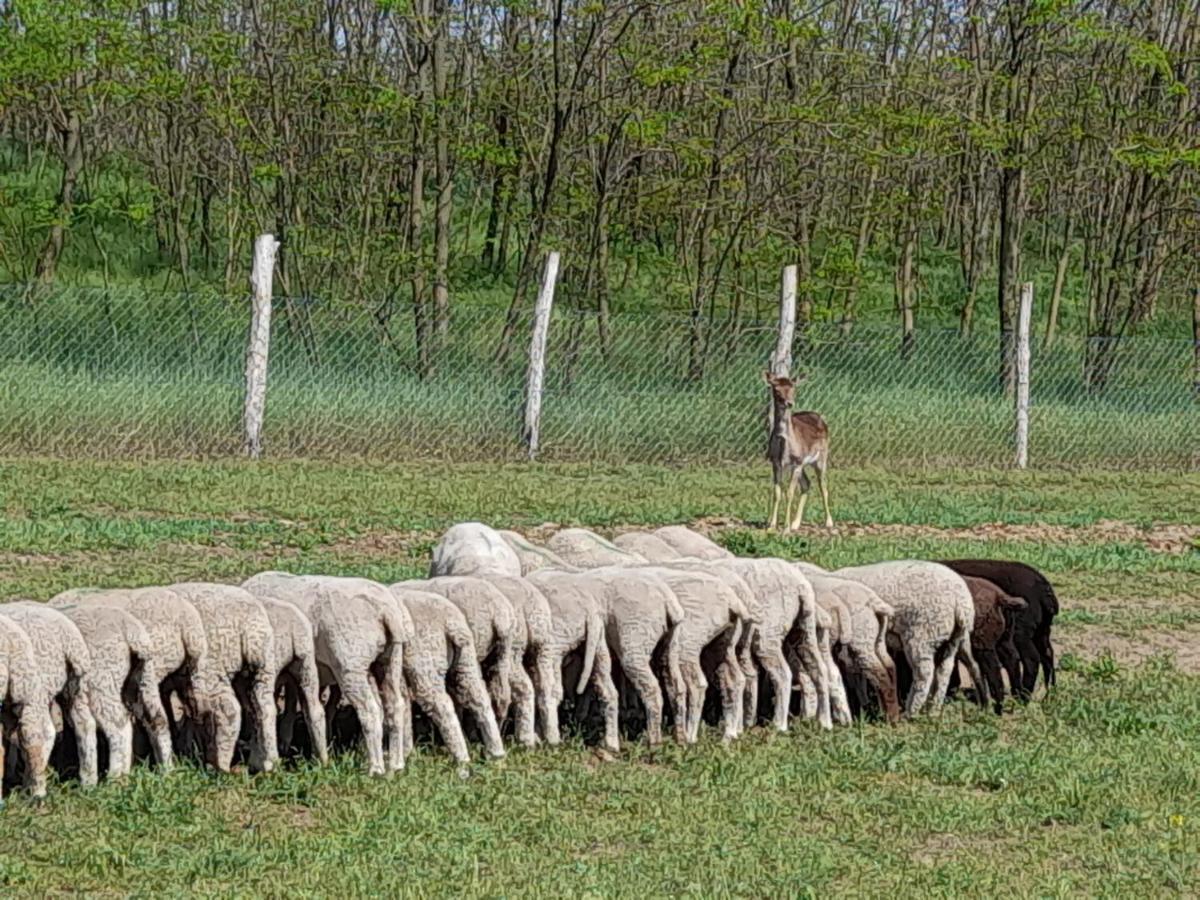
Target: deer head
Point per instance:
(783, 389)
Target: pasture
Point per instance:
(1094, 790)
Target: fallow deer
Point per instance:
(798, 439)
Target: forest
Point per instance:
(917, 159)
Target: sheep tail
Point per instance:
(675, 613)
(595, 634)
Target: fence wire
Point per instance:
(112, 373)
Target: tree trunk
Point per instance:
(863, 239)
(1060, 277)
(1196, 339)
(906, 288)
(72, 144)
(804, 295)
(489, 258)
(445, 183)
(1012, 220)
(416, 222)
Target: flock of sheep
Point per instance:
(500, 630)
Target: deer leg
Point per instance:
(776, 496)
(823, 482)
(798, 476)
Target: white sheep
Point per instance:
(691, 544)
(714, 618)
(499, 644)
(23, 709)
(472, 548)
(863, 639)
(442, 645)
(649, 547)
(785, 612)
(296, 675)
(532, 556)
(176, 634)
(122, 685)
(63, 664)
(577, 623)
(933, 613)
(587, 550)
(533, 615)
(237, 676)
(641, 613)
(784, 605)
(359, 632)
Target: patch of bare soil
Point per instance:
(1176, 539)
(388, 543)
(1090, 642)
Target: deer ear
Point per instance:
(768, 377)
(796, 379)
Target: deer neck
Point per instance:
(783, 418)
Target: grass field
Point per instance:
(1095, 790)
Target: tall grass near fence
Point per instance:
(92, 372)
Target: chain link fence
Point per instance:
(113, 373)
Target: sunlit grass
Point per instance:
(1095, 790)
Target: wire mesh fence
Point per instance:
(109, 373)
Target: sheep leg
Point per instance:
(695, 687)
(155, 717)
(431, 694)
(474, 696)
(118, 730)
(809, 650)
(80, 715)
(967, 657)
(749, 668)
(606, 690)
(524, 708)
(839, 702)
(1031, 662)
(264, 751)
(678, 699)
(883, 681)
(36, 737)
(773, 662)
(989, 665)
(920, 660)
(550, 695)
(942, 673)
(309, 688)
(362, 695)
(1041, 641)
(1012, 666)
(285, 729)
(636, 663)
(394, 708)
(731, 681)
(802, 683)
(544, 671)
(226, 716)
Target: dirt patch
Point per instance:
(1132, 650)
(389, 543)
(1174, 539)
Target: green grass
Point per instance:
(1093, 791)
(1096, 791)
